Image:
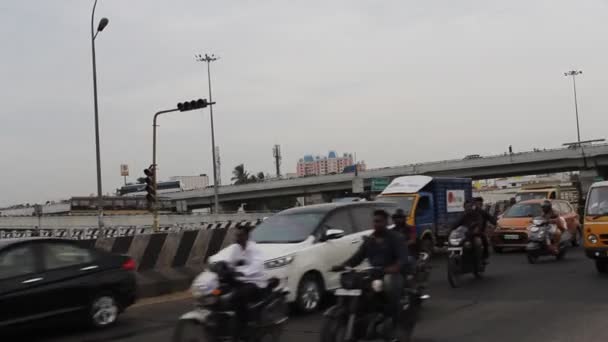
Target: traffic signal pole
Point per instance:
(181, 107)
(155, 224)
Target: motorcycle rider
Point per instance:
(473, 220)
(408, 231)
(246, 258)
(485, 218)
(384, 249)
(553, 218)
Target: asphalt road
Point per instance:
(551, 301)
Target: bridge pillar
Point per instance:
(588, 177)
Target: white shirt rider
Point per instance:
(252, 269)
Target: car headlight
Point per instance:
(592, 238)
(279, 262)
(455, 242)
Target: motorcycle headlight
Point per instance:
(592, 238)
(279, 262)
(377, 285)
(455, 241)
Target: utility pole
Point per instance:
(575, 73)
(208, 59)
(276, 153)
(94, 32)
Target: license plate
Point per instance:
(348, 293)
(511, 237)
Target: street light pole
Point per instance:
(208, 59)
(102, 24)
(574, 73)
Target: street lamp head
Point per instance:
(102, 24)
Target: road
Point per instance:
(550, 301)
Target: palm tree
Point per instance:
(239, 175)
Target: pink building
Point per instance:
(332, 164)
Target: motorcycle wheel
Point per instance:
(190, 331)
(333, 330)
(532, 258)
(454, 275)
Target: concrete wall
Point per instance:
(122, 220)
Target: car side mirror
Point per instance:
(333, 234)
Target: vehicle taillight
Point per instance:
(129, 265)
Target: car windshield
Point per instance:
(289, 228)
(598, 202)
(403, 202)
(525, 196)
(524, 210)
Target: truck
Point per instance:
(570, 192)
(431, 204)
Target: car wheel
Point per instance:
(310, 293)
(103, 311)
(601, 266)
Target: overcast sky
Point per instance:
(394, 81)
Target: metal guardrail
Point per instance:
(89, 233)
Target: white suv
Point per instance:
(302, 244)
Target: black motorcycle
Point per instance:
(214, 319)
(465, 256)
(539, 238)
(360, 311)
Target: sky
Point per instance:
(395, 82)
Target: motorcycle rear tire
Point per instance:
(333, 329)
(532, 258)
(454, 274)
(190, 331)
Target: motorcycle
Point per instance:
(465, 256)
(359, 313)
(214, 318)
(539, 239)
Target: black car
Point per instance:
(55, 278)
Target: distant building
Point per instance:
(192, 182)
(331, 164)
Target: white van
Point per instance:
(302, 244)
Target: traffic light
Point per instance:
(151, 185)
(192, 105)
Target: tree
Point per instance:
(240, 175)
(261, 176)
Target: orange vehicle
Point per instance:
(596, 225)
(512, 229)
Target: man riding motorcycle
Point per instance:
(247, 260)
(384, 249)
(559, 225)
(476, 219)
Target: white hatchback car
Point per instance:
(302, 244)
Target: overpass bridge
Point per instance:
(591, 160)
